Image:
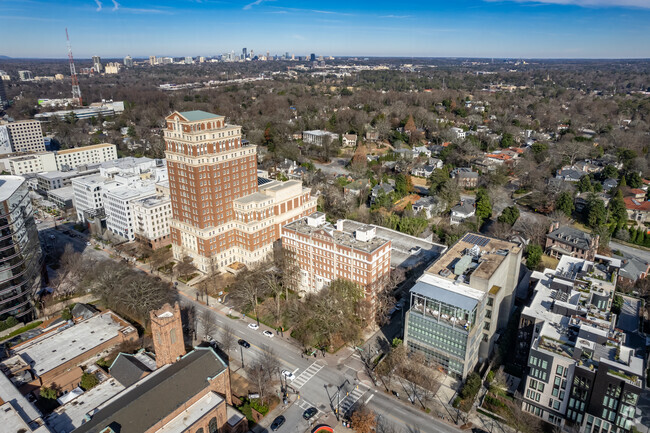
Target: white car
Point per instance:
(88, 244)
(254, 326)
(268, 334)
(288, 375)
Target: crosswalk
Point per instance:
(348, 402)
(304, 377)
(304, 405)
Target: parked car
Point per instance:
(277, 423)
(289, 375)
(268, 334)
(310, 413)
(254, 326)
(244, 343)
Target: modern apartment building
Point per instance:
(579, 372)
(51, 180)
(324, 254)
(220, 214)
(152, 216)
(118, 206)
(72, 158)
(30, 163)
(26, 136)
(462, 300)
(88, 195)
(21, 259)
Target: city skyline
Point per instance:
(468, 28)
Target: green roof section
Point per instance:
(196, 115)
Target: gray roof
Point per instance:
(139, 408)
(632, 268)
(195, 115)
(465, 208)
(570, 173)
(127, 369)
(571, 236)
(83, 310)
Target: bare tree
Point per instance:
(227, 338)
(159, 258)
(185, 267)
(207, 323)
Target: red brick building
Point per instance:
(325, 254)
(220, 215)
(167, 332)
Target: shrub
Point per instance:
(88, 381)
(48, 393)
(471, 387)
(490, 376)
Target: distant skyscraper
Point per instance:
(3, 94)
(97, 64)
(286, 55)
(244, 51)
(128, 62)
(152, 60)
(189, 60)
(312, 57)
(25, 75)
(267, 54)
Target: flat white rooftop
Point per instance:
(63, 345)
(72, 414)
(10, 394)
(192, 414)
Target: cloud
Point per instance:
(643, 4)
(255, 3)
(395, 16)
(99, 5)
(116, 5)
(313, 11)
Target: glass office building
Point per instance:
(20, 250)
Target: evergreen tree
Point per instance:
(564, 203)
(596, 212)
(617, 210)
(483, 204)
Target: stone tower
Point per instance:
(167, 332)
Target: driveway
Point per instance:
(337, 166)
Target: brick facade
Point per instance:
(167, 331)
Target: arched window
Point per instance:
(200, 430)
(172, 335)
(212, 425)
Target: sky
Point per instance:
(433, 28)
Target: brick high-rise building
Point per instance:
(219, 214)
(167, 331)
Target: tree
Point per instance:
(403, 184)
(48, 393)
(363, 420)
(248, 290)
(507, 140)
(584, 184)
(509, 215)
(609, 172)
(227, 338)
(483, 205)
(207, 323)
(533, 256)
(596, 212)
(88, 381)
(617, 209)
(159, 258)
(185, 268)
(564, 203)
(633, 179)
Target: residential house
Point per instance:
(429, 205)
(458, 133)
(382, 188)
(633, 269)
(436, 163)
(349, 140)
(610, 184)
(372, 136)
(582, 200)
(571, 242)
(422, 171)
(637, 210)
(462, 211)
(355, 188)
(422, 150)
(465, 177)
(570, 174)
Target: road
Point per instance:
(337, 166)
(630, 251)
(325, 383)
(318, 380)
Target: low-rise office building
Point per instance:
(29, 163)
(88, 194)
(53, 359)
(118, 206)
(51, 180)
(461, 301)
(579, 372)
(95, 154)
(317, 137)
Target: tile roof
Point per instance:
(632, 204)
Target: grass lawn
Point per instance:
(21, 330)
(549, 262)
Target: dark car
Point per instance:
(277, 423)
(310, 413)
(244, 343)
